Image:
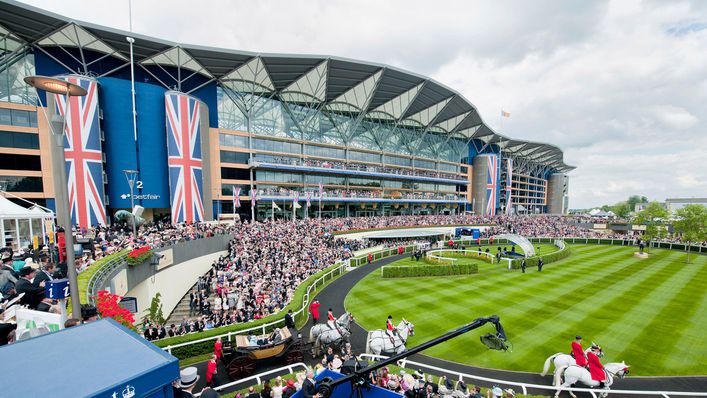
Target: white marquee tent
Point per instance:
(19, 226)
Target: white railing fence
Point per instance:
(463, 252)
(258, 379)
(405, 363)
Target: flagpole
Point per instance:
(273, 210)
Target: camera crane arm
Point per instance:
(358, 378)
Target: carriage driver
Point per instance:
(578, 352)
(596, 369)
(331, 320)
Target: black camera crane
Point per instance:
(358, 379)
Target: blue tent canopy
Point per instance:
(344, 390)
(99, 359)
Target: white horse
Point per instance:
(321, 334)
(559, 360)
(379, 341)
(573, 374)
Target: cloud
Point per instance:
(620, 86)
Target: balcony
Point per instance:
(343, 195)
(341, 168)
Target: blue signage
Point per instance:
(57, 289)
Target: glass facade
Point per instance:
(12, 85)
(233, 140)
(18, 117)
(292, 116)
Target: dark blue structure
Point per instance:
(99, 359)
(344, 390)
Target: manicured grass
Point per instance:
(651, 313)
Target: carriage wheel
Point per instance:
(295, 354)
(240, 367)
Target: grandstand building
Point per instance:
(284, 132)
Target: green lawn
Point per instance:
(651, 313)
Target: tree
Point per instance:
(653, 217)
(633, 200)
(621, 209)
(691, 223)
(154, 313)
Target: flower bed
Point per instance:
(139, 255)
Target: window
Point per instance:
(230, 173)
(369, 182)
(9, 139)
(20, 162)
(276, 146)
(234, 157)
(392, 184)
(227, 189)
(449, 167)
(325, 152)
(274, 176)
(424, 164)
(21, 184)
(364, 157)
(18, 117)
(233, 140)
(397, 160)
(327, 180)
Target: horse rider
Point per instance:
(390, 329)
(578, 352)
(596, 369)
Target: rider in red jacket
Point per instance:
(578, 352)
(596, 369)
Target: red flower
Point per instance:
(108, 307)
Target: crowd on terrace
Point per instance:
(358, 193)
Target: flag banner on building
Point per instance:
(236, 197)
(275, 206)
(253, 196)
(309, 198)
(491, 185)
(295, 198)
(505, 114)
(321, 190)
(82, 151)
(509, 182)
(184, 157)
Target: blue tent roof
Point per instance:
(96, 359)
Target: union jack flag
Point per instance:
(321, 190)
(82, 152)
(509, 182)
(295, 199)
(491, 185)
(236, 197)
(309, 197)
(184, 157)
(253, 196)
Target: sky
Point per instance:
(619, 86)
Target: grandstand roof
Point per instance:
(374, 91)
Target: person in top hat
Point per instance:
(187, 381)
(596, 369)
(46, 274)
(578, 352)
(33, 294)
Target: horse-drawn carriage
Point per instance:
(283, 345)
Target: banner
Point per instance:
(509, 182)
(82, 152)
(184, 157)
(236, 197)
(491, 185)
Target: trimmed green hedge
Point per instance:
(548, 258)
(389, 271)
(208, 346)
(86, 275)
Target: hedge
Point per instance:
(469, 253)
(548, 258)
(86, 275)
(208, 346)
(389, 271)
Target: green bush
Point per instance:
(389, 271)
(208, 346)
(547, 259)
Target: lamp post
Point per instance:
(131, 176)
(63, 210)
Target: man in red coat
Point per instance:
(596, 369)
(578, 352)
(314, 310)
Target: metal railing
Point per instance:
(97, 280)
(258, 379)
(525, 386)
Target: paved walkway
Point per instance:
(333, 296)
